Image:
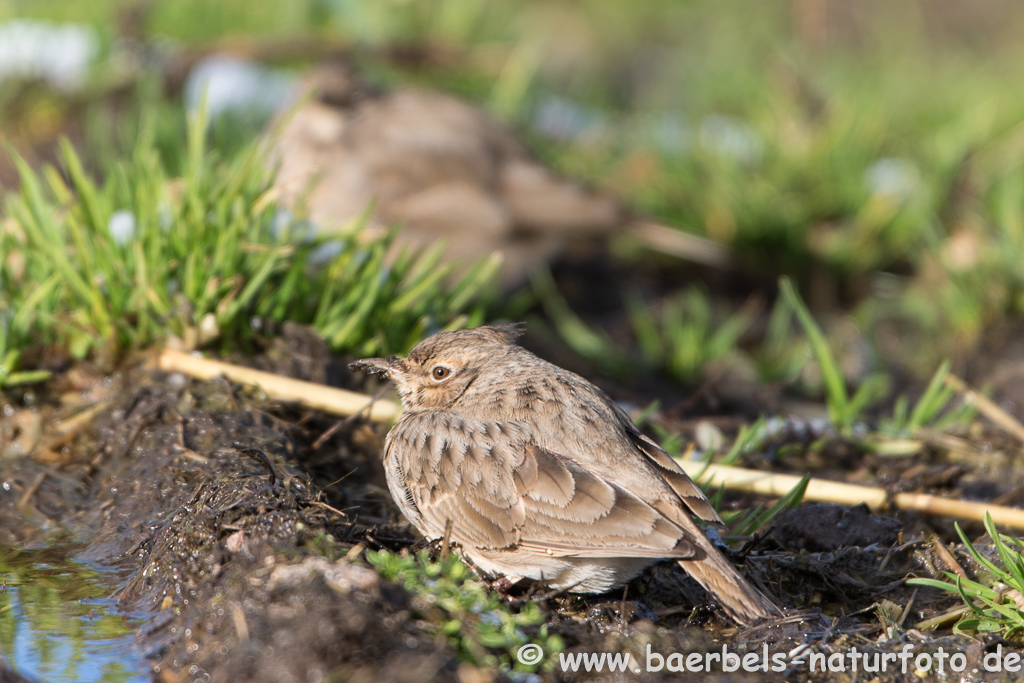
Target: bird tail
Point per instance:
(741, 601)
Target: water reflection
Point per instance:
(57, 623)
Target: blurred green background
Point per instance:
(872, 151)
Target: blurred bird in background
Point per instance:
(443, 170)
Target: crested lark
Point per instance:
(536, 473)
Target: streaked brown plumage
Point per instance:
(539, 474)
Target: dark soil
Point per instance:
(241, 535)
(818, 527)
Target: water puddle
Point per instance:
(57, 622)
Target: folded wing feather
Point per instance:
(499, 489)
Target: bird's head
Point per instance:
(441, 367)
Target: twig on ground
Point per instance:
(988, 407)
(776, 485)
(317, 396)
(947, 558)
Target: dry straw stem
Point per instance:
(286, 389)
(777, 485)
(345, 403)
(988, 407)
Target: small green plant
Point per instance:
(749, 439)
(591, 344)
(844, 409)
(749, 522)
(481, 626)
(782, 355)
(686, 335)
(681, 340)
(931, 410)
(9, 360)
(996, 599)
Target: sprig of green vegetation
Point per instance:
(480, 625)
(592, 344)
(750, 438)
(682, 339)
(752, 521)
(782, 354)
(932, 409)
(101, 268)
(686, 335)
(996, 599)
(9, 360)
(844, 409)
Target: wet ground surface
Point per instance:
(238, 533)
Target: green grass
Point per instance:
(750, 438)
(580, 337)
(781, 355)
(741, 523)
(844, 408)
(935, 408)
(210, 259)
(686, 335)
(996, 598)
(680, 339)
(745, 523)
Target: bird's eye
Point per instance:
(440, 372)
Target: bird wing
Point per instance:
(690, 494)
(493, 487)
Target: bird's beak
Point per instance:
(389, 367)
